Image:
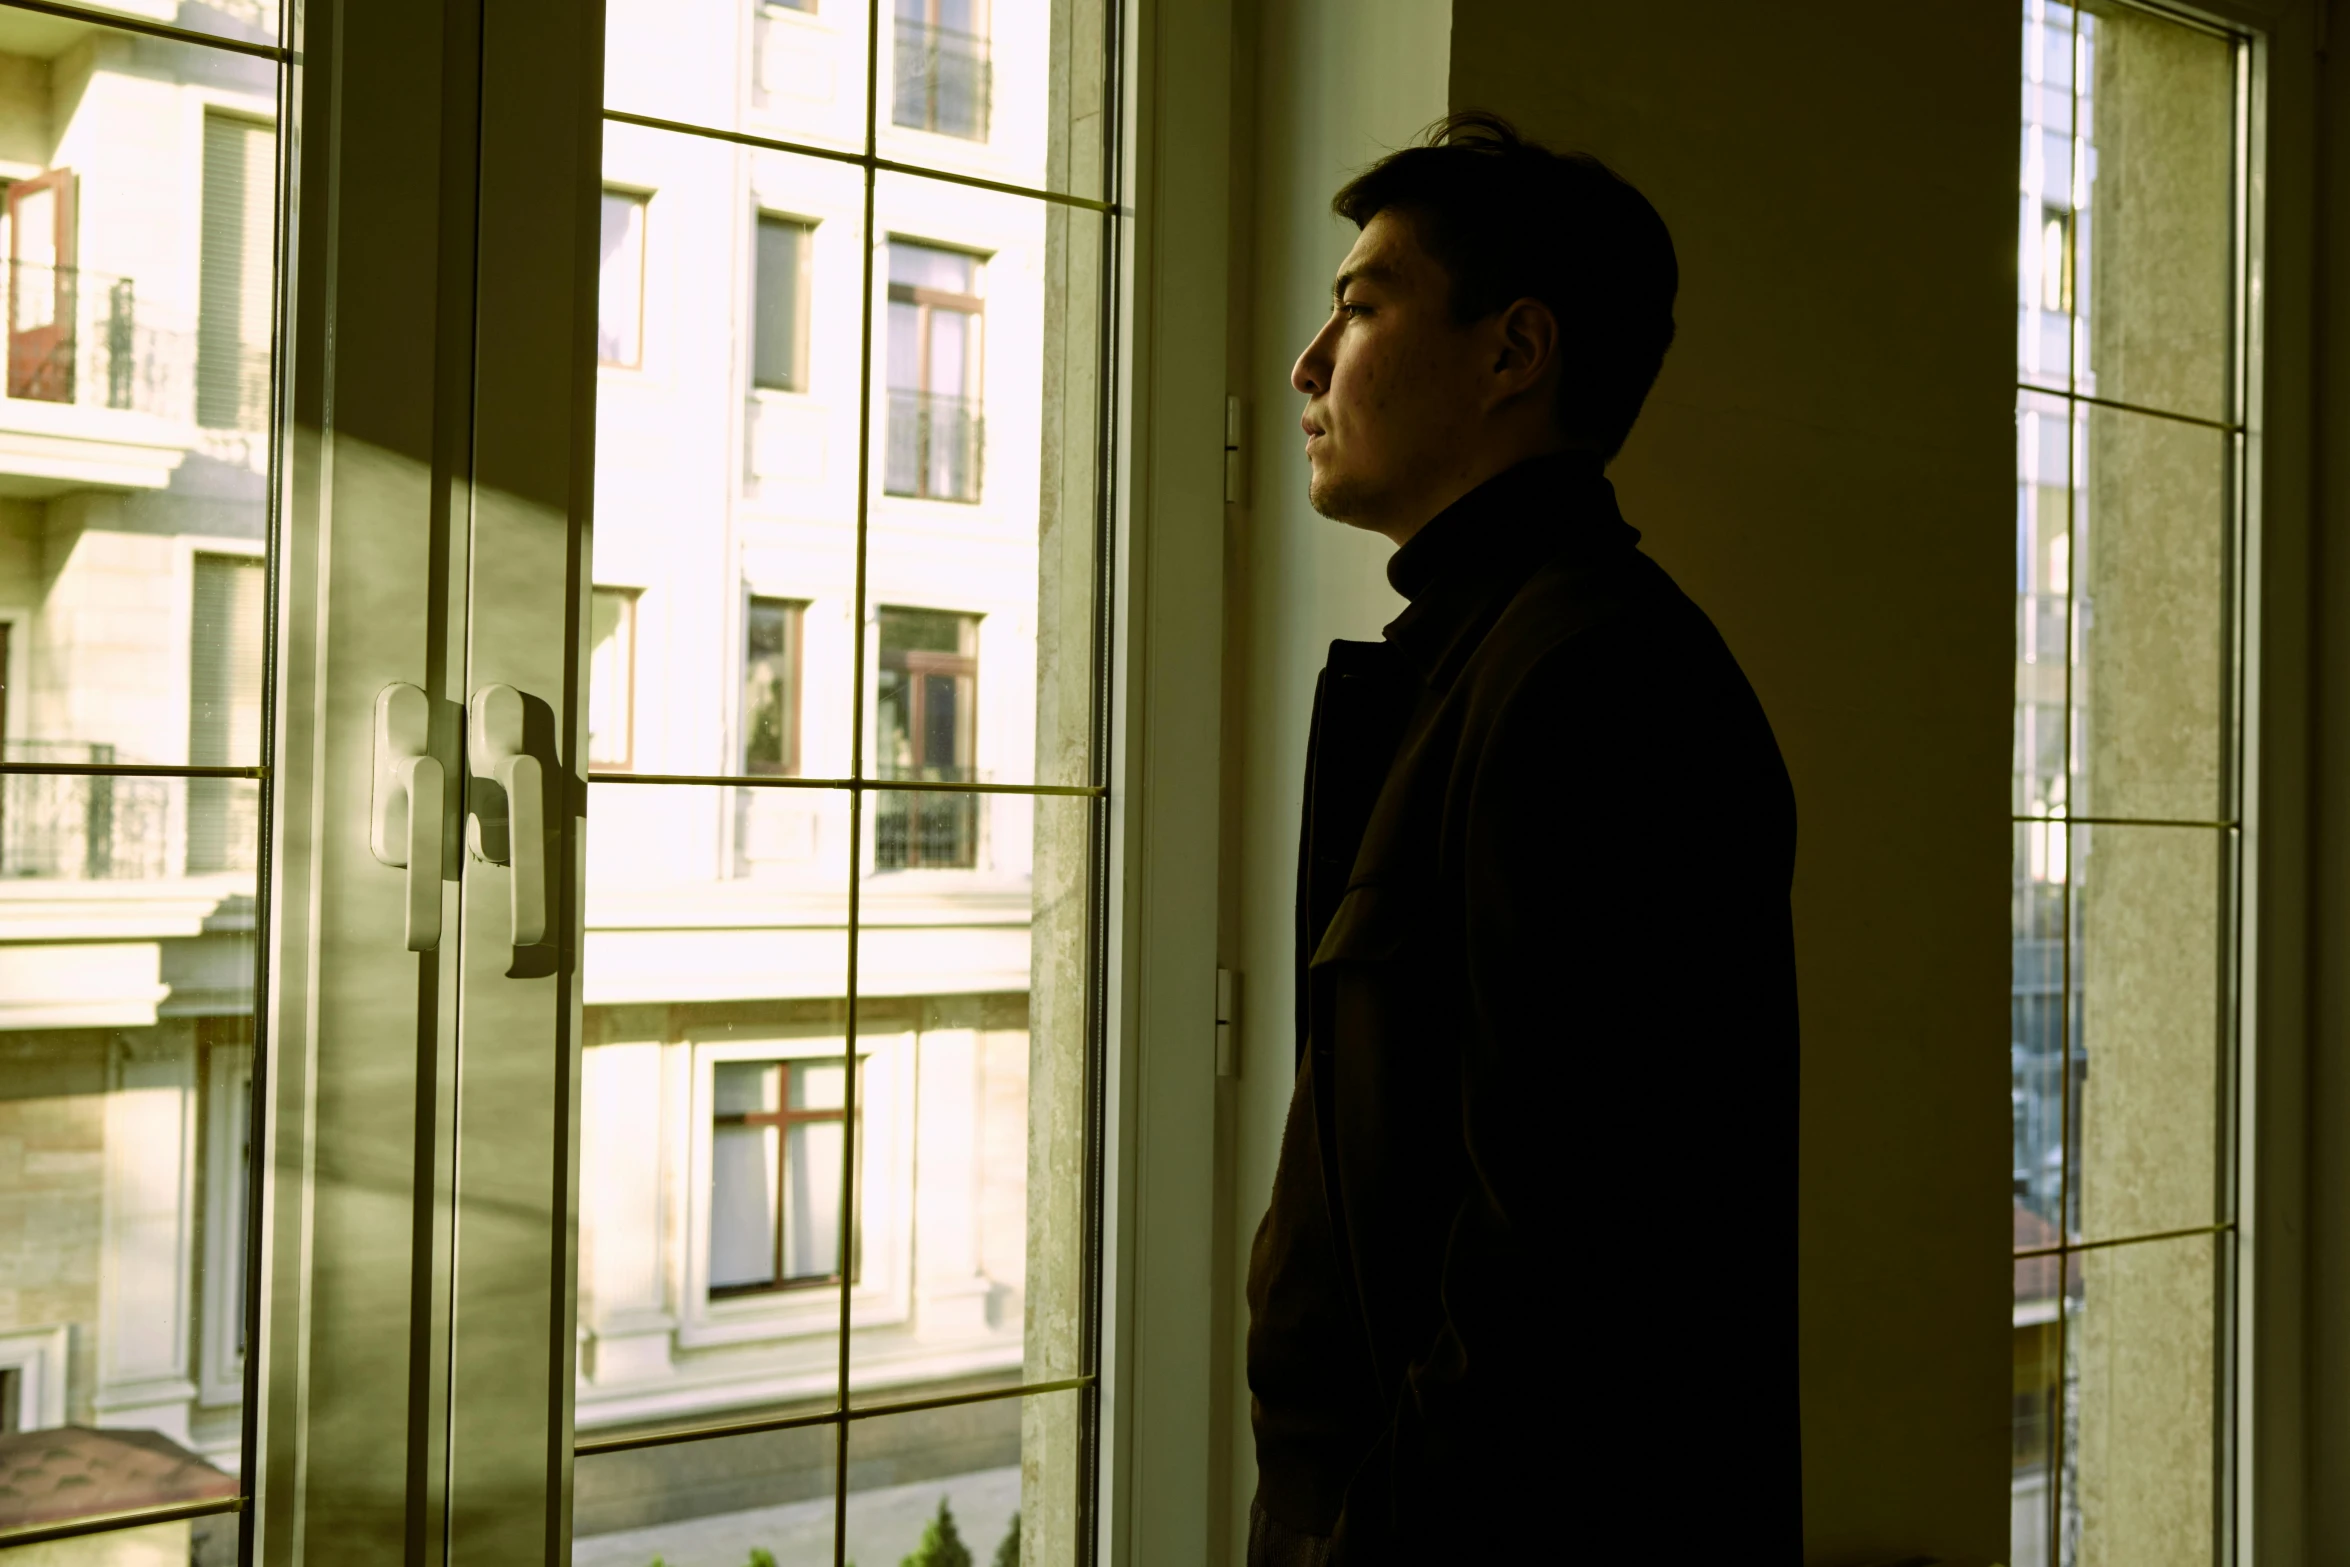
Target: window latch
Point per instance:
(509, 800)
(404, 828)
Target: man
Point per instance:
(1526, 1288)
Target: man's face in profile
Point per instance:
(1392, 393)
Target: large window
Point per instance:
(935, 429)
(841, 925)
(928, 729)
(778, 1137)
(2131, 524)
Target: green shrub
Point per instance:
(1007, 1553)
(942, 1543)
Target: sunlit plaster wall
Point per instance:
(1828, 466)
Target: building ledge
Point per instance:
(49, 448)
(38, 909)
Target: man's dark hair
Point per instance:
(1509, 219)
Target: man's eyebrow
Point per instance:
(1369, 272)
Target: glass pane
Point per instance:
(2046, 322)
(2037, 1399)
(126, 1072)
(805, 67)
(2148, 941)
(971, 984)
(2045, 504)
(133, 432)
(42, 39)
(727, 507)
(712, 1104)
(2037, 1030)
(765, 1500)
(997, 1480)
(2157, 120)
(2152, 689)
(983, 506)
(2141, 1381)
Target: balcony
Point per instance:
(943, 81)
(934, 447)
(68, 827)
(99, 396)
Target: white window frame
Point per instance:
(39, 1357)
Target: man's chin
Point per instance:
(1335, 498)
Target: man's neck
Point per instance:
(1460, 481)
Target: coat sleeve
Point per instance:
(1613, 941)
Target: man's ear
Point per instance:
(1528, 346)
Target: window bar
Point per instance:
(868, 159)
(673, 1435)
(852, 785)
(872, 247)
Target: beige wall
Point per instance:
(1827, 467)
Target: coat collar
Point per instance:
(1471, 557)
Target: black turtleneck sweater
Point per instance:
(1526, 1288)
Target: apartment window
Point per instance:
(779, 316)
(927, 725)
(935, 430)
(612, 678)
(771, 687)
(620, 292)
(2132, 522)
(777, 1141)
(942, 70)
(236, 277)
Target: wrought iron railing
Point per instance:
(82, 827)
(85, 337)
(934, 446)
(943, 81)
(915, 830)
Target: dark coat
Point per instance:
(1527, 1282)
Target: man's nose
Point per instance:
(1311, 373)
(1306, 375)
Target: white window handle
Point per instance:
(405, 824)
(493, 744)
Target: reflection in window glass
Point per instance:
(620, 296)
